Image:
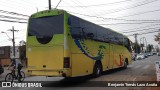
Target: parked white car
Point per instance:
(140, 56)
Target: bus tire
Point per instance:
(125, 64)
(97, 70)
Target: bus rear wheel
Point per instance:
(97, 71)
(125, 64)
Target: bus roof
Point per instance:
(60, 11)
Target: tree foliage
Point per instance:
(150, 48)
(136, 47)
(157, 38)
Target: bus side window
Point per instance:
(77, 33)
(127, 44)
(75, 29)
(90, 35)
(121, 40)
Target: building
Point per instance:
(5, 55)
(17, 53)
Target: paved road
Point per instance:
(140, 70)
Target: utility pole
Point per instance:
(37, 9)
(13, 40)
(49, 2)
(136, 42)
(145, 44)
(141, 44)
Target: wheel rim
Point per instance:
(9, 77)
(125, 64)
(98, 71)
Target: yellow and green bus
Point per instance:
(61, 44)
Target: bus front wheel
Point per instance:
(97, 71)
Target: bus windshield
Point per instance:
(46, 26)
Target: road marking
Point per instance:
(146, 67)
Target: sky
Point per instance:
(128, 17)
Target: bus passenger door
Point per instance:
(111, 56)
(107, 58)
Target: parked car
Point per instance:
(140, 56)
(150, 54)
(134, 56)
(1, 69)
(154, 53)
(145, 55)
(158, 53)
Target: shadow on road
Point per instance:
(82, 81)
(113, 71)
(69, 82)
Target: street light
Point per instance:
(7, 35)
(12, 42)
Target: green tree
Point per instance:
(157, 38)
(136, 47)
(149, 47)
(157, 48)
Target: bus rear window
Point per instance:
(46, 26)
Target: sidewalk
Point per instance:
(6, 71)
